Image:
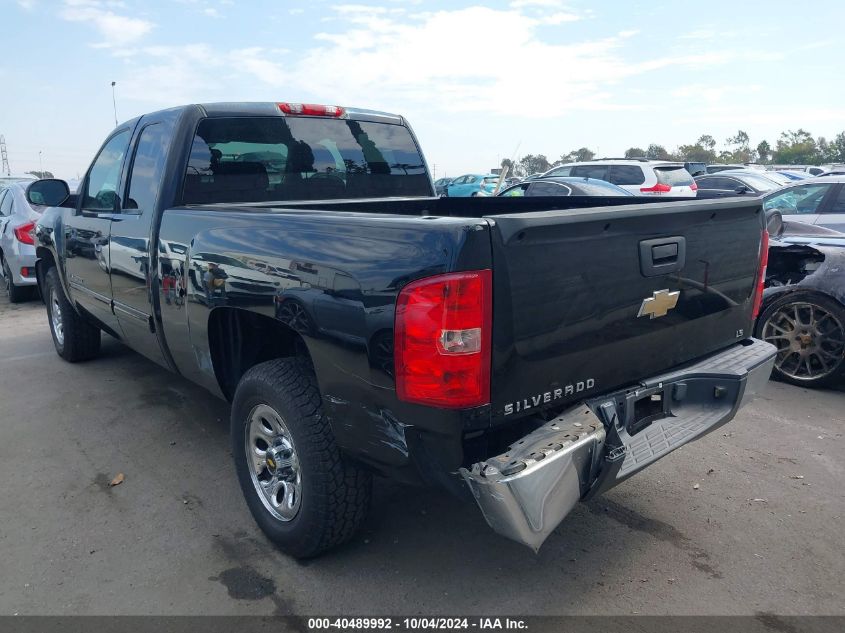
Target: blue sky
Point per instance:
(478, 82)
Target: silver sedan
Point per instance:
(17, 243)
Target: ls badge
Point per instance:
(659, 303)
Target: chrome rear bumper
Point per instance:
(526, 492)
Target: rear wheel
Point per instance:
(303, 493)
(15, 293)
(808, 329)
(75, 338)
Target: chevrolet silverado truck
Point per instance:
(293, 259)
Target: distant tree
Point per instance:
(583, 154)
(634, 152)
(531, 164)
(741, 152)
(41, 174)
(707, 142)
(824, 150)
(837, 148)
(576, 156)
(508, 163)
(657, 152)
(796, 147)
(764, 151)
(699, 152)
(740, 140)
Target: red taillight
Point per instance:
(694, 187)
(25, 233)
(761, 274)
(658, 188)
(443, 340)
(311, 109)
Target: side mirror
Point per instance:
(49, 192)
(742, 189)
(774, 223)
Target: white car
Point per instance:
(641, 177)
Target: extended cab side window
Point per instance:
(147, 168)
(100, 193)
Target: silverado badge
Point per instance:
(659, 303)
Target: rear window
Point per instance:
(540, 188)
(491, 180)
(256, 159)
(760, 183)
(673, 176)
(559, 171)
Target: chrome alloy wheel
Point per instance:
(274, 466)
(56, 318)
(809, 338)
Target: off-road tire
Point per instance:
(335, 492)
(81, 339)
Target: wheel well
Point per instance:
(44, 262)
(239, 339)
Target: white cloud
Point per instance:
(211, 12)
(560, 17)
(484, 61)
(116, 30)
(26, 4)
(520, 4)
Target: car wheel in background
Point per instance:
(303, 493)
(75, 338)
(808, 329)
(15, 293)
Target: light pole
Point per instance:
(40, 166)
(114, 102)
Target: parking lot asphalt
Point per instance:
(748, 520)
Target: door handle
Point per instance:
(662, 256)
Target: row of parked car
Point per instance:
(636, 177)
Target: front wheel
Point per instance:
(303, 493)
(75, 338)
(808, 329)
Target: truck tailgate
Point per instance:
(583, 299)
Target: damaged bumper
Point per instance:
(526, 492)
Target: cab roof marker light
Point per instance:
(312, 109)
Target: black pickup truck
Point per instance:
(293, 260)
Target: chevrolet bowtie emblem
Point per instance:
(659, 303)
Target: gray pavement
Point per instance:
(763, 532)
